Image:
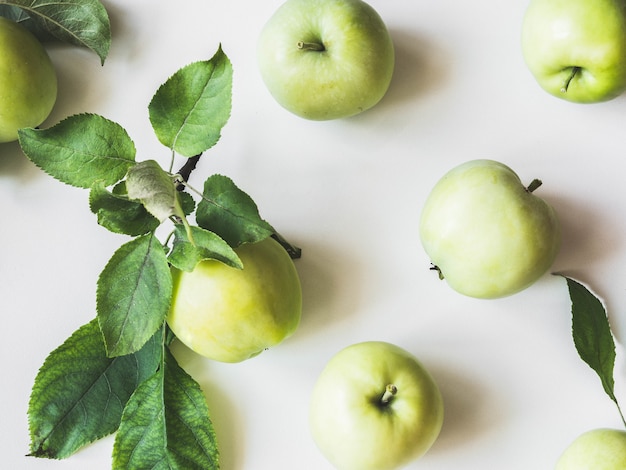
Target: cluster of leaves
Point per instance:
(83, 23)
(116, 372)
(592, 336)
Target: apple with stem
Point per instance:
(575, 49)
(486, 233)
(326, 59)
(374, 407)
(28, 81)
(598, 449)
(229, 314)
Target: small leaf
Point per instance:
(85, 23)
(187, 203)
(190, 109)
(149, 183)
(592, 335)
(79, 393)
(134, 294)
(119, 215)
(231, 213)
(186, 254)
(166, 424)
(80, 150)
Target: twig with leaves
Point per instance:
(116, 373)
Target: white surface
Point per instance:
(349, 193)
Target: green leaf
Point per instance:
(186, 253)
(80, 150)
(166, 425)
(592, 335)
(149, 183)
(15, 14)
(119, 215)
(187, 202)
(231, 213)
(133, 295)
(83, 23)
(79, 393)
(190, 109)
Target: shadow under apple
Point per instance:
(14, 163)
(470, 411)
(330, 287)
(419, 68)
(587, 241)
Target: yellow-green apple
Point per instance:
(326, 59)
(229, 314)
(486, 233)
(374, 407)
(575, 48)
(28, 81)
(598, 449)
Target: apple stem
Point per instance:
(572, 74)
(534, 184)
(390, 392)
(311, 46)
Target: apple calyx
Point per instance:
(438, 269)
(390, 392)
(311, 46)
(571, 76)
(534, 184)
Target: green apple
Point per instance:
(575, 48)
(326, 59)
(486, 233)
(374, 407)
(598, 449)
(229, 314)
(28, 81)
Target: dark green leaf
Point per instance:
(186, 254)
(79, 393)
(166, 425)
(190, 109)
(592, 334)
(84, 23)
(81, 150)
(231, 213)
(134, 294)
(148, 183)
(187, 202)
(15, 14)
(119, 215)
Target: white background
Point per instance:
(349, 192)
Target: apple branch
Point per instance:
(186, 169)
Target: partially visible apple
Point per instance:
(326, 59)
(576, 48)
(230, 314)
(28, 81)
(486, 233)
(598, 449)
(374, 407)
